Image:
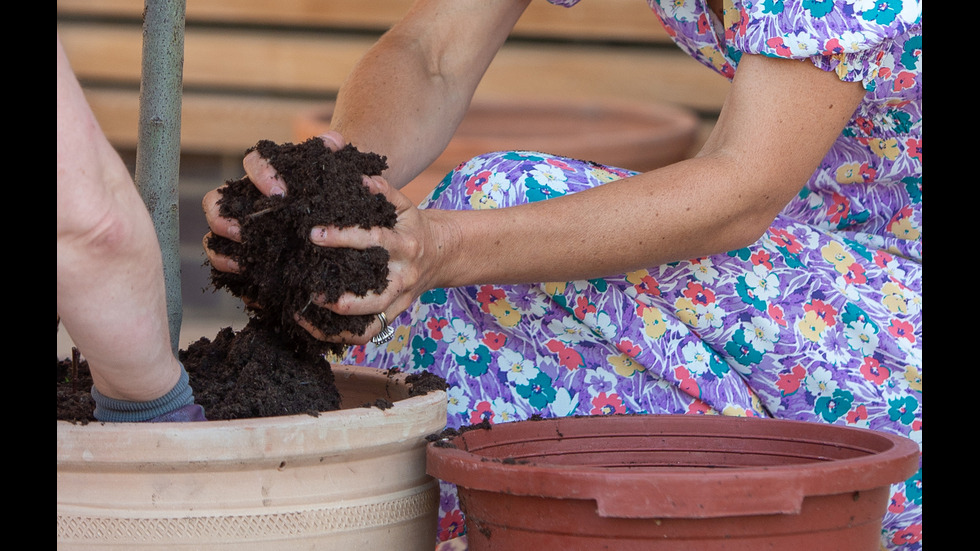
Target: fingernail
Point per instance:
(235, 232)
(317, 233)
(276, 190)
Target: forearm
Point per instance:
(110, 289)
(406, 96)
(674, 213)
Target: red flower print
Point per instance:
(902, 330)
(838, 208)
(776, 43)
(567, 357)
(704, 27)
(648, 286)
(882, 259)
(560, 164)
(583, 307)
(475, 183)
(873, 371)
(857, 414)
(482, 413)
(832, 47)
(855, 274)
(885, 72)
(865, 124)
(823, 310)
(914, 149)
(784, 239)
(911, 534)
(789, 383)
(698, 407)
(868, 174)
(358, 354)
(451, 525)
(435, 326)
(761, 258)
(681, 372)
(904, 80)
(494, 341)
(698, 294)
(607, 405)
(690, 387)
(487, 295)
(897, 503)
(627, 347)
(776, 314)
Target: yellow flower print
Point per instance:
(603, 175)
(893, 299)
(684, 309)
(903, 229)
(714, 56)
(504, 312)
(734, 411)
(914, 378)
(481, 201)
(555, 287)
(850, 173)
(624, 365)
(835, 254)
(635, 278)
(399, 339)
(812, 326)
(887, 149)
(654, 323)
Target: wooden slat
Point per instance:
(591, 19)
(209, 123)
(318, 63)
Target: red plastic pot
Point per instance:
(677, 482)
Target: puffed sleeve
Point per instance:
(850, 37)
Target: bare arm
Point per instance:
(406, 97)
(110, 273)
(779, 121)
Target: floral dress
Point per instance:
(819, 320)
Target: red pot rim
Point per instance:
(846, 459)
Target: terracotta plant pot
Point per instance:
(672, 482)
(348, 479)
(636, 136)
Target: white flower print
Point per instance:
(549, 175)
(762, 333)
(503, 410)
(519, 369)
(569, 330)
(565, 403)
(458, 401)
(681, 10)
(819, 382)
(764, 286)
(861, 337)
(802, 44)
(709, 315)
(697, 358)
(704, 270)
(461, 337)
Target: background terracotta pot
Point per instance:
(348, 479)
(677, 482)
(631, 135)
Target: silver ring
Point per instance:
(386, 333)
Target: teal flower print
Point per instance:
(831, 408)
(740, 349)
(903, 410)
(422, 349)
(538, 192)
(433, 296)
(538, 392)
(913, 488)
(477, 362)
(818, 8)
(884, 11)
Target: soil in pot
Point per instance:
(273, 366)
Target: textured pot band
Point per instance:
(122, 411)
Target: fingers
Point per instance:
(219, 262)
(225, 227)
(345, 337)
(263, 175)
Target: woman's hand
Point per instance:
(265, 178)
(410, 245)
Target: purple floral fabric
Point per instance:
(819, 320)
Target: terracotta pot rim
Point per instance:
(777, 488)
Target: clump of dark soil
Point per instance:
(281, 271)
(273, 366)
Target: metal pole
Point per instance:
(158, 148)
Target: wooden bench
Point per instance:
(251, 66)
